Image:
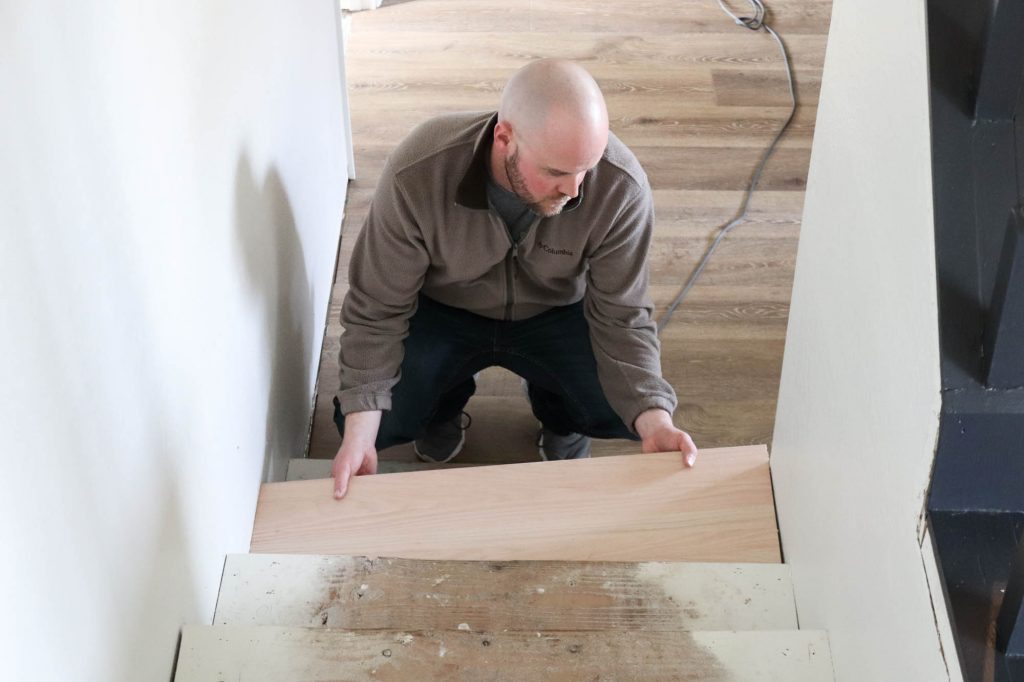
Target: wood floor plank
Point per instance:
(647, 128)
(387, 594)
(677, 123)
(625, 508)
(640, 16)
(764, 86)
(508, 50)
(752, 87)
(265, 654)
(675, 208)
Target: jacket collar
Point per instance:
(472, 189)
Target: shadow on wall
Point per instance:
(276, 271)
(169, 588)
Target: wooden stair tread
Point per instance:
(623, 508)
(252, 653)
(382, 594)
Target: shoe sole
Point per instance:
(431, 460)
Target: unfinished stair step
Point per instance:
(256, 654)
(303, 469)
(624, 508)
(386, 594)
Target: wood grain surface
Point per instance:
(697, 99)
(625, 508)
(390, 594)
(272, 654)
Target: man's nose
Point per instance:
(571, 187)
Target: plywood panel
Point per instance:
(381, 594)
(623, 508)
(251, 654)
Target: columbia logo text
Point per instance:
(554, 251)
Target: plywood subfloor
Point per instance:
(620, 508)
(697, 99)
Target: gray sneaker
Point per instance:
(553, 446)
(441, 442)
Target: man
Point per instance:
(516, 239)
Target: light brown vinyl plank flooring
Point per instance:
(697, 99)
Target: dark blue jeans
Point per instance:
(446, 346)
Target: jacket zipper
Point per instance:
(512, 267)
(511, 274)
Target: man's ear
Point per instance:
(503, 135)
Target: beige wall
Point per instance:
(859, 400)
(172, 178)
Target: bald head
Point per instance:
(552, 130)
(555, 100)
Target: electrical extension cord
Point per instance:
(754, 23)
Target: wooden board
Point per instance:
(623, 508)
(257, 654)
(388, 594)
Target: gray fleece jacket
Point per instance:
(430, 229)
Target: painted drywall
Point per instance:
(859, 399)
(172, 179)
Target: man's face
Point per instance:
(546, 179)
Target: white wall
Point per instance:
(859, 402)
(172, 178)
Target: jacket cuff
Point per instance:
(355, 401)
(650, 403)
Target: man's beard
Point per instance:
(546, 208)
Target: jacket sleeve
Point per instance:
(618, 310)
(386, 272)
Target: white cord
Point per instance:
(754, 23)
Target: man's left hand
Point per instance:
(659, 434)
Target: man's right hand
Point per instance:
(357, 454)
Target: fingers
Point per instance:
(689, 450)
(351, 461)
(342, 475)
